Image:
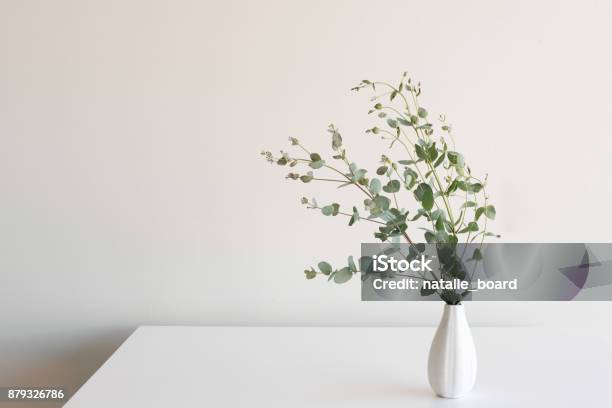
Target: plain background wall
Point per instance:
(133, 191)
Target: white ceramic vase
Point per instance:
(452, 357)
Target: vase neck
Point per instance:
(453, 313)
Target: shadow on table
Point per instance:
(58, 362)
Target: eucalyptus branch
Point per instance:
(434, 185)
(314, 206)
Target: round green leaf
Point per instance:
(381, 170)
(317, 164)
(393, 186)
(315, 157)
(343, 275)
(489, 212)
(382, 202)
(307, 177)
(375, 186)
(325, 268)
(327, 210)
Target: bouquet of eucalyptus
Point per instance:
(423, 163)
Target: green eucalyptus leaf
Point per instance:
(404, 122)
(469, 187)
(426, 152)
(327, 210)
(468, 204)
(438, 214)
(310, 273)
(452, 187)
(365, 264)
(335, 209)
(420, 213)
(317, 164)
(420, 152)
(355, 217)
(382, 170)
(427, 291)
(325, 267)
(315, 157)
(422, 113)
(307, 177)
(392, 123)
(382, 202)
(424, 194)
(359, 174)
(430, 237)
(336, 140)
(432, 152)
(455, 158)
(474, 188)
(440, 160)
(343, 275)
(471, 227)
(409, 181)
(393, 186)
(351, 264)
(479, 212)
(489, 212)
(381, 235)
(375, 186)
(410, 177)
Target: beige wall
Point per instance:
(132, 188)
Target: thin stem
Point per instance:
(443, 195)
(397, 91)
(396, 111)
(304, 149)
(324, 179)
(313, 207)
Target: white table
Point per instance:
(353, 367)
